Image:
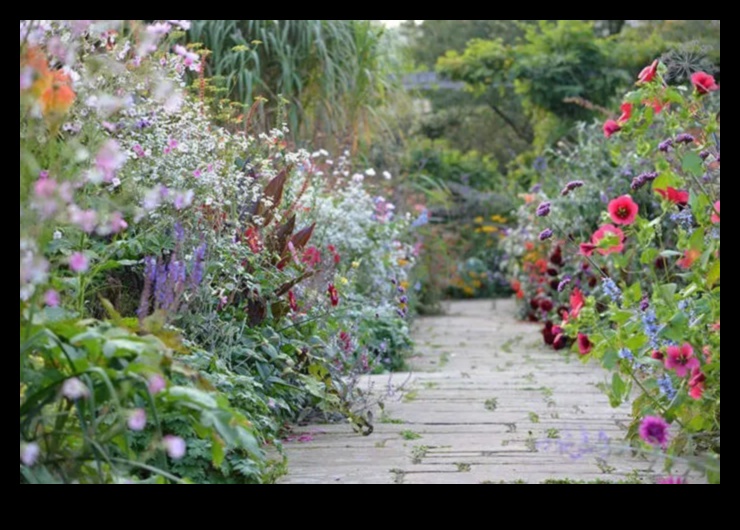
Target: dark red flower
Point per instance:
(335, 254)
(584, 344)
(658, 355)
(611, 127)
(648, 73)
(626, 113)
(679, 197)
(560, 341)
(534, 303)
(333, 295)
(292, 301)
(345, 342)
(546, 305)
(556, 258)
(623, 210)
(587, 249)
(547, 334)
(552, 272)
(704, 83)
(554, 284)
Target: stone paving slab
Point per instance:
(487, 403)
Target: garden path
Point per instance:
(487, 403)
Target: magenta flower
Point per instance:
(611, 127)
(704, 83)
(672, 480)
(74, 389)
(79, 263)
(117, 223)
(175, 447)
(51, 298)
(137, 420)
(156, 384)
(30, 454)
(109, 160)
(654, 430)
(681, 359)
(84, 219)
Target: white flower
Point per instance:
(57, 235)
(137, 420)
(387, 175)
(358, 178)
(74, 389)
(175, 447)
(370, 172)
(30, 454)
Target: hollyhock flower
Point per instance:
(156, 384)
(611, 127)
(333, 295)
(545, 234)
(547, 335)
(696, 383)
(137, 420)
(74, 389)
(78, 263)
(560, 341)
(577, 302)
(648, 73)
(608, 239)
(704, 83)
(175, 447)
(689, 257)
(678, 197)
(681, 359)
(623, 210)
(626, 113)
(30, 454)
(584, 344)
(715, 213)
(51, 298)
(672, 480)
(654, 430)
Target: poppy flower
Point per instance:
(715, 213)
(689, 257)
(704, 83)
(608, 239)
(626, 113)
(584, 344)
(623, 210)
(611, 127)
(648, 73)
(681, 359)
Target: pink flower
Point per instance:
(623, 210)
(117, 223)
(626, 113)
(51, 298)
(704, 83)
(85, 219)
(156, 384)
(30, 454)
(715, 213)
(137, 420)
(311, 257)
(171, 145)
(678, 197)
(74, 389)
(681, 359)
(109, 160)
(584, 344)
(175, 447)
(78, 262)
(44, 188)
(577, 301)
(139, 151)
(648, 73)
(608, 234)
(654, 430)
(672, 480)
(696, 383)
(611, 127)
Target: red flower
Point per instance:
(657, 104)
(546, 305)
(623, 210)
(648, 73)
(704, 83)
(658, 355)
(606, 234)
(626, 113)
(715, 213)
(560, 340)
(681, 359)
(577, 301)
(696, 383)
(311, 257)
(587, 249)
(611, 127)
(584, 345)
(335, 254)
(333, 295)
(292, 301)
(689, 257)
(547, 335)
(516, 285)
(679, 197)
(253, 239)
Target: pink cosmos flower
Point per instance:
(137, 420)
(681, 359)
(654, 430)
(78, 262)
(715, 213)
(84, 219)
(156, 384)
(584, 344)
(175, 447)
(51, 298)
(623, 210)
(611, 127)
(648, 73)
(704, 83)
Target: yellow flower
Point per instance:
(478, 220)
(405, 285)
(490, 229)
(403, 262)
(343, 280)
(355, 264)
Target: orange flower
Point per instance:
(689, 257)
(36, 60)
(58, 97)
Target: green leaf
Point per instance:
(713, 274)
(668, 292)
(677, 327)
(217, 450)
(693, 164)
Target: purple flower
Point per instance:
(564, 283)
(654, 430)
(43, 174)
(543, 210)
(545, 234)
(51, 298)
(74, 389)
(137, 420)
(666, 145)
(139, 151)
(685, 138)
(156, 384)
(183, 200)
(78, 263)
(30, 454)
(644, 304)
(704, 154)
(175, 447)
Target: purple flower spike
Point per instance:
(545, 234)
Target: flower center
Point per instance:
(623, 212)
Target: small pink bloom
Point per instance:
(623, 210)
(696, 383)
(715, 213)
(84, 219)
(74, 389)
(654, 430)
(156, 384)
(681, 359)
(612, 233)
(648, 73)
(109, 160)
(611, 127)
(626, 113)
(137, 420)
(577, 301)
(44, 188)
(78, 262)
(117, 222)
(704, 83)
(175, 447)
(30, 454)
(51, 298)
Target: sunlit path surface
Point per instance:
(487, 403)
